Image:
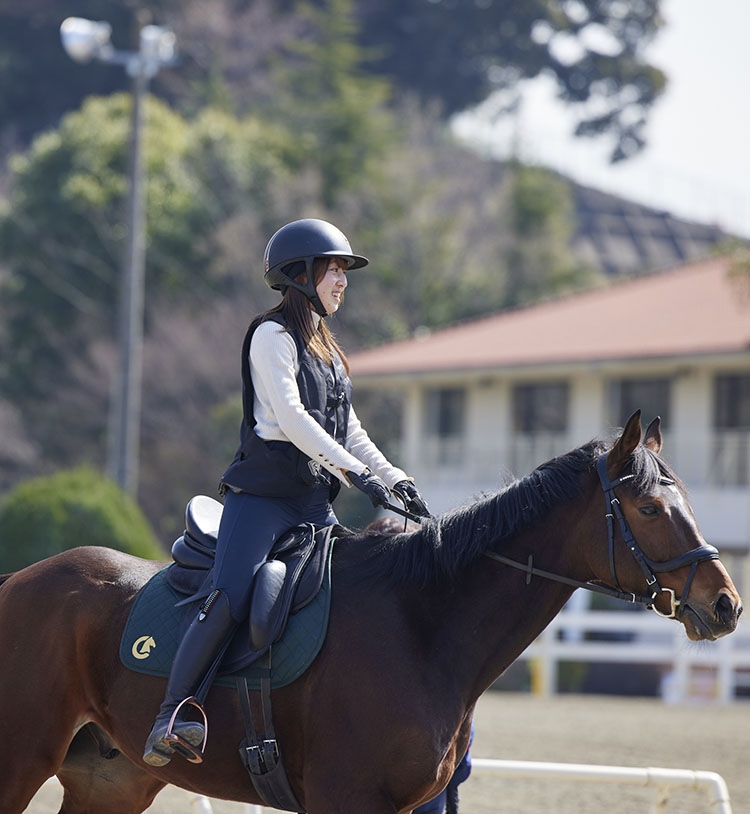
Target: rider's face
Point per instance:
(331, 287)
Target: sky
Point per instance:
(697, 161)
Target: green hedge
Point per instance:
(44, 516)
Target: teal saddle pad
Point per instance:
(153, 630)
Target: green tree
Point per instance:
(454, 236)
(62, 233)
(460, 51)
(50, 514)
(337, 111)
(238, 163)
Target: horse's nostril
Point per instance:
(726, 612)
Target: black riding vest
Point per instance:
(278, 468)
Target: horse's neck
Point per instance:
(494, 613)
(510, 616)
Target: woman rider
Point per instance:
(300, 439)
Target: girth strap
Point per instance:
(260, 751)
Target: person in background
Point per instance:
(300, 441)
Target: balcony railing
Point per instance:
(719, 459)
(730, 458)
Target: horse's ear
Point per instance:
(652, 439)
(624, 446)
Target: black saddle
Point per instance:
(289, 579)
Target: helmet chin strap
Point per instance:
(318, 306)
(308, 288)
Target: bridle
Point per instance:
(649, 567)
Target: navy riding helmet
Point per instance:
(293, 248)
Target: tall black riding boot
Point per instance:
(194, 667)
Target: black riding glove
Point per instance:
(413, 501)
(372, 486)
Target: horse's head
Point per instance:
(655, 546)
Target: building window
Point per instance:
(732, 402)
(445, 423)
(540, 424)
(651, 396)
(730, 465)
(540, 407)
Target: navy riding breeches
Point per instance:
(250, 525)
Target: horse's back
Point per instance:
(92, 564)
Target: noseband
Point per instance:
(649, 567)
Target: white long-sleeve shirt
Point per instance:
(281, 416)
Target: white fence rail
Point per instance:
(663, 781)
(202, 805)
(647, 639)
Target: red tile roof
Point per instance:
(689, 310)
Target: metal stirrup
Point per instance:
(186, 749)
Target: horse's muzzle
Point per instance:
(709, 624)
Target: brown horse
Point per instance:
(421, 624)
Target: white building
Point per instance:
(499, 395)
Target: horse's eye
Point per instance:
(649, 510)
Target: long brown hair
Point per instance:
(295, 308)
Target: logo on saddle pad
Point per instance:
(142, 647)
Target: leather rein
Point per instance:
(649, 567)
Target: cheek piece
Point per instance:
(307, 288)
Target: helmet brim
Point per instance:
(355, 261)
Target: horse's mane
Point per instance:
(445, 545)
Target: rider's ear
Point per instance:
(624, 446)
(652, 439)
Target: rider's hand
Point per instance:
(372, 486)
(413, 501)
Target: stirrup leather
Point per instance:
(184, 748)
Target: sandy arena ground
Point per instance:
(572, 729)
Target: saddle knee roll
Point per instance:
(266, 605)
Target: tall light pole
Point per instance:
(83, 41)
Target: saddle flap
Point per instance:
(267, 612)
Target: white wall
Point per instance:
(723, 513)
